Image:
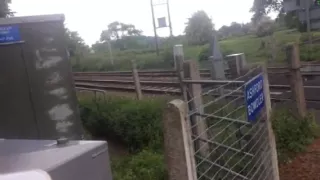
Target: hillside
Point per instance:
(256, 49)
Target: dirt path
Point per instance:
(305, 166)
(117, 150)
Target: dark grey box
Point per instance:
(37, 94)
(77, 160)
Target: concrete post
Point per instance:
(293, 58)
(136, 80)
(218, 68)
(178, 64)
(178, 56)
(191, 71)
(179, 152)
(237, 63)
(271, 137)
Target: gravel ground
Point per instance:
(305, 166)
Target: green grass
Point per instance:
(251, 45)
(293, 134)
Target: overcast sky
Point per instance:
(90, 17)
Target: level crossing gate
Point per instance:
(226, 127)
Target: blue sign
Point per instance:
(9, 34)
(254, 97)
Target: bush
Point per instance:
(205, 53)
(265, 29)
(138, 124)
(292, 134)
(146, 165)
(167, 57)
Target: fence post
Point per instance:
(136, 80)
(218, 69)
(293, 58)
(191, 71)
(178, 56)
(178, 63)
(177, 142)
(271, 137)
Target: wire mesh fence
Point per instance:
(226, 144)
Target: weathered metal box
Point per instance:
(80, 160)
(37, 94)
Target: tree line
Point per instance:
(199, 30)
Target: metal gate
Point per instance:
(231, 136)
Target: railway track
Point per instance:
(166, 82)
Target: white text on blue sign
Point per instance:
(254, 97)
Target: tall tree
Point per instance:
(261, 8)
(117, 30)
(199, 29)
(5, 10)
(119, 34)
(76, 45)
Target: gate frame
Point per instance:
(184, 130)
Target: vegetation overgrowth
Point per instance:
(256, 49)
(137, 124)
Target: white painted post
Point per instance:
(178, 56)
(178, 64)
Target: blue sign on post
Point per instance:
(254, 97)
(9, 34)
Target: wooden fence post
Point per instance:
(293, 58)
(191, 71)
(271, 137)
(177, 142)
(136, 80)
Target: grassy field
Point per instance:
(255, 48)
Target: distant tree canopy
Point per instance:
(117, 30)
(265, 27)
(5, 10)
(235, 29)
(261, 8)
(120, 35)
(199, 29)
(75, 43)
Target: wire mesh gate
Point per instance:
(225, 144)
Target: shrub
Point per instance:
(167, 56)
(292, 134)
(146, 165)
(205, 53)
(136, 123)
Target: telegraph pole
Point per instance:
(169, 18)
(154, 28)
(308, 21)
(161, 21)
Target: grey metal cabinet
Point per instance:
(37, 94)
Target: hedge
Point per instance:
(135, 123)
(138, 125)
